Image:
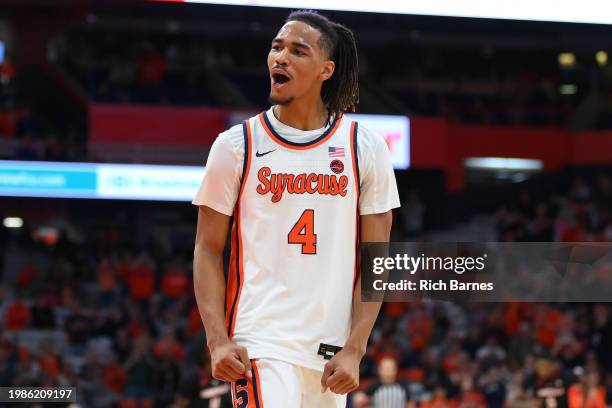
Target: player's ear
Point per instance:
(327, 70)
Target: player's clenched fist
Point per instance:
(341, 373)
(230, 362)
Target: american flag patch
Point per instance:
(336, 151)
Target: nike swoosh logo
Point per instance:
(264, 153)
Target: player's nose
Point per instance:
(282, 57)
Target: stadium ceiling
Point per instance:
(585, 11)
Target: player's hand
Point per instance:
(230, 362)
(341, 374)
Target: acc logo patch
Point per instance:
(336, 166)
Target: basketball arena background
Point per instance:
(498, 115)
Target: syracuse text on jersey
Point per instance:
(278, 183)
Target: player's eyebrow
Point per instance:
(298, 44)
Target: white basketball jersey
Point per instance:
(294, 243)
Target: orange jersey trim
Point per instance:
(355, 159)
(236, 273)
(247, 393)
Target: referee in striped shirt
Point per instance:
(387, 392)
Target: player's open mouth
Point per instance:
(278, 80)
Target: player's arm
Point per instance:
(374, 228)
(229, 361)
(378, 196)
(208, 277)
(216, 199)
(341, 374)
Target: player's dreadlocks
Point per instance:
(340, 92)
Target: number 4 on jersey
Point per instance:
(303, 233)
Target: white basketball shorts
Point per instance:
(278, 384)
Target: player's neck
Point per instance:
(302, 116)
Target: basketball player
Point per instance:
(304, 185)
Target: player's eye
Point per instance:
(298, 52)
(276, 47)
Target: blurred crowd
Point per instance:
(33, 139)
(437, 354)
(441, 354)
(120, 323)
(485, 86)
(25, 135)
(582, 214)
(143, 69)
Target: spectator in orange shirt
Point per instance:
(168, 346)
(7, 72)
(470, 397)
(25, 276)
(195, 321)
(455, 358)
(107, 282)
(548, 324)
(49, 361)
(419, 328)
(114, 375)
(141, 280)
(151, 72)
(395, 310)
(577, 231)
(440, 400)
(587, 393)
(123, 268)
(175, 283)
(152, 67)
(17, 315)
